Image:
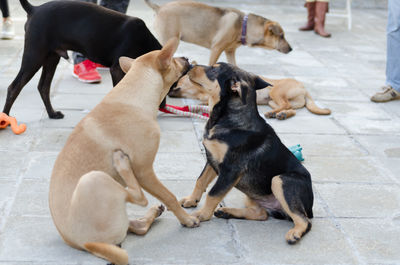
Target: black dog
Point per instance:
(101, 34)
(245, 152)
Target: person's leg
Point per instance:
(310, 5)
(321, 8)
(4, 8)
(392, 89)
(84, 69)
(76, 56)
(117, 5)
(7, 31)
(393, 45)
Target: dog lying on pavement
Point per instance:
(216, 28)
(283, 97)
(109, 157)
(101, 34)
(245, 153)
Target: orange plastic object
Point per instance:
(6, 120)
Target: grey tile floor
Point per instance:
(353, 155)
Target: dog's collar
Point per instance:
(244, 30)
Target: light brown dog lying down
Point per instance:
(216, 28)
(283, 97)
(109, 157)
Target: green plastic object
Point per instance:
(296, 150)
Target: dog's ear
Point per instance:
(125, 63)
(274, 28)
(167, 52)
(260, 83)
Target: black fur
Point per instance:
(255, 153)
(101, 34)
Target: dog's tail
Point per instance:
(152, 5)
(27, 6)
(108, 252)
(311, 106)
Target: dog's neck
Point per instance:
(255, 29)
(141, 86)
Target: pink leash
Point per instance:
(192, 111)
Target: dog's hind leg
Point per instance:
(141, 226)
(49, 68)
(285, 114)
(253, 211)
(296, 198)
(207, 175)
(123, 166)
(29, 66)
(280, 104)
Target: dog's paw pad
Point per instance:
(187, 202)
(281, 116)
(121, 160)
(270, 115)
(293, 236)
(160, 209)
(222, 214)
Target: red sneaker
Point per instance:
(86, 72)
(101, 67)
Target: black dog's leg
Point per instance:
(207, 175)
(227, 179)
(49, 67)
(29, 67)
(294, 192)
(116, 74)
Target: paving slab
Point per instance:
(353, 154)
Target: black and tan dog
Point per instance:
(216, 28)
(245, 152)
(101, 34)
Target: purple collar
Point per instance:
(244, 30)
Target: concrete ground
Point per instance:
(353, 155)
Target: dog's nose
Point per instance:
(290, 49)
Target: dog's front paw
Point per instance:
(188, 202)
(56, 115)
(191, 221)
(158, 209)
(293, 236)
(270, 114)
(281, 116)
(220, 213)
(202, 215)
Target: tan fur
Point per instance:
(218, 29)
(253, 211)
(218, 149)
(300, 224)
(202, 183)
(109, 157)
(283, 97)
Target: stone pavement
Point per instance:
(353, 155)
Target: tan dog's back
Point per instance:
(205, 24)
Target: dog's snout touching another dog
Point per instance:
(244, 152)
(108, 160)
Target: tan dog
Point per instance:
(216, 28)
(109, 157)
(283, 97)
